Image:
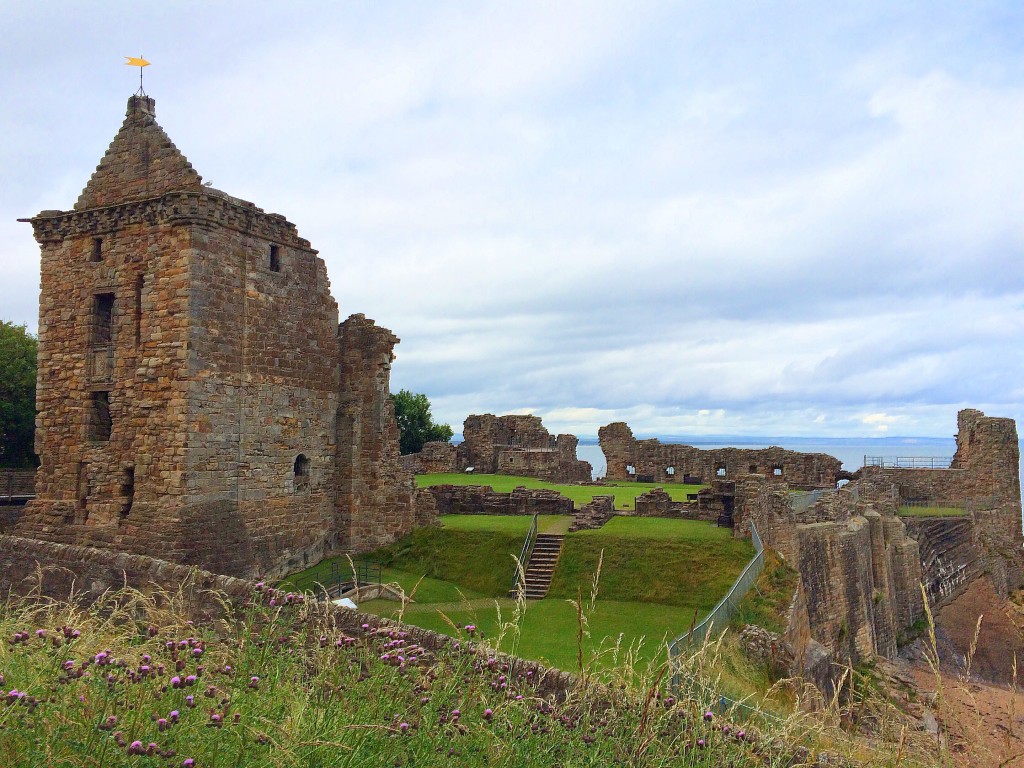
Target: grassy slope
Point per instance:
(656, 575)
(932, 511)
(625, 493)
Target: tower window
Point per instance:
(140, 282)
(103, 319)
(100, 423)
(301, 473)
(97, 249)
(127, 491)
(275, 259)
(720, 471)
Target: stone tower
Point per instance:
(189, 384)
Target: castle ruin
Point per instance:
(198, 400)
(652, 461)
(505, 445)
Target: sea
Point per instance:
(851, 451)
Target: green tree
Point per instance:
(17, 395)
(415, 424)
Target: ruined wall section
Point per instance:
(984, 477)
(484, 500)
(376, 498)
(654, 461)
(433, 458)
(519, 445)
(859, 569)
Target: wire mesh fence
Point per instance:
(728, 605)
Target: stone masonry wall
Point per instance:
(434, 457)
(193, 378)
(519, 445)
(483, 500)
(672, 463)
(376, 501)
(859, 569)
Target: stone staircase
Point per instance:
(541, 567)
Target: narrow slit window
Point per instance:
(100, 422)
(275, 258)
(127, 491)
(301, 473)
(103, 319)
(139, 284)
(97, 249)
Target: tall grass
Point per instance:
(279, 681)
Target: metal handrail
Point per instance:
(910, 462)
(725, 609)
(524, 554)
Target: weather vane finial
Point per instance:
(139, 62)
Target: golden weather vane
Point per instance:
(133, 61)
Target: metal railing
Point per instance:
(727, 606)
(910, 462)
(524, 554)
(17, 485)
(801, 502)
(340, 578)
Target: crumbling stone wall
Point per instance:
(984, 475)
(657, 503)
(594, 514)
(376, 498)
(484, 500)
(434, 457)
(519, 445)
(654, 461)
(189, 377)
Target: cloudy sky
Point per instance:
(698, 217)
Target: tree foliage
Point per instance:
(17, 395)
(415, 424)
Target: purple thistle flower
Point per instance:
(188, 762)
(135, 748)
(174, 716)
(709, 716)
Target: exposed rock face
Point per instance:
(657, 462)
(190, 384)
(861, 566)
(519, 445)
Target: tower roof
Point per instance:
(141, 162)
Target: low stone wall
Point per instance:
(30, 567)
(484, 500)
(657, 503)
(593, 515)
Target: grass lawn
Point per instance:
(550, 627)
(907, 511)
(625, 493)
(655, 575)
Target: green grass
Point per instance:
(625, 493)
(655, 575)
(908, 511)
(285, 685)
(550, 627)
(767, 605)
(512, 524)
